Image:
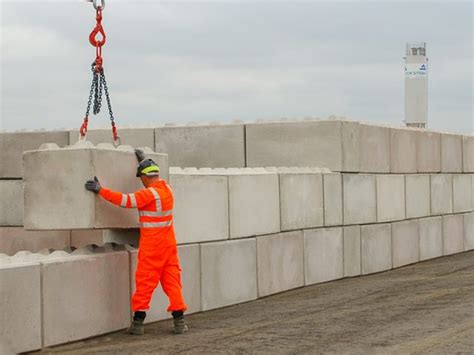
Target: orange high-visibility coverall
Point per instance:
(157, 253)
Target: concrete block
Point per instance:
(351, 251)
(374, 149)
(315, 144)
(301, 200)
(462, 193)
(11, 203)
(376, 248)
(359, 190)
(441, 194)
(219, 260)
(135, 137)
(73, 314)
(189, 258)
(431, 237)
(468, 154)
(20, 307)
(323, 249)
(332, 199)
(201, 211)
(403, 151)
(14, 239)
(469, 231)
(390, 198)
(428, 152)
(218, 146)
(405, 243)
(280, 262)
(54, 186)
(254, 203)
(451, 153)
(417, 195)
(82, 237)
(350, 146)
(453, 234)
(12, 146)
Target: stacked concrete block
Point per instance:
(462, 193)
(12, 146)
(54, 186)
(14, 239)
(403, 151)
(431, 237)
(441, 194)
(428, 152)
(254, 203)
(332, 199)
(405, 243)
(469, 231)
(201, 211)
(219, 260)
(390, 198)
(376, 248)
(136, 137)
(453, 234)
(359, 196)
(352, 263)
(350, 146)
(468, 154)
(301, 199)
(280, 262)
(11, 203)
(451, 153)
(213, 146)
(323, 249)
(374, 149)
(417, 195)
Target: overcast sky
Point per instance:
(222, 60)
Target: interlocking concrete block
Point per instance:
(431, 237)
(215, 146)
(323, 249)
(451, 153)
(11, 203)
(350, 146)
(20, 308)
(376, 248)
(403, 150)
(359, 198)
(428, 152)
(82, 237)
(254, 203)
(201, 211)
(332, 199)
(468, 154)
(417, 195)
(301, 199)
(71, 314)
(469, 231)
(462, 193)
(12, 146)
(219, 260)
(54, 186)
(316, 143)
(374, 149)
(14, 239)
(351, 251)
(280, 262)
(441, 194)
(453, 234)
(405, 243)
(136, 137)
(189, 259)
(390, 198)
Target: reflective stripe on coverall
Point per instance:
(157, 252)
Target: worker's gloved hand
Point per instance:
(140, 155)
(93, 185)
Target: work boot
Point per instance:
(180, 326)
(137, 327)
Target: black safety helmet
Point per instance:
(148, 167)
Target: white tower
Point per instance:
(416, 85)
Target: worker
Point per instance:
(157, 253)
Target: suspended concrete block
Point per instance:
(428, 152)
(214, 146)
(405, 243)
(431, 237)
(417, 195)
(390, 198)
(201, 211)
(280, 262)
(11, 203)
(323, 249)
(451, 153)
(12, 146)
(462, 193)
(374, 149)
(468, 154)
(54, 193)
(359, 198)
(469, 231)
(332, 199)
(15, 239)
(20, 306)
(403, 150)
(228, 273)
(453, 234)
(352, 263)
(441, 194)
(376, 248)
(136, 137)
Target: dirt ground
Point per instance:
(422, 308)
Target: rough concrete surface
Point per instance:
(351, 250)
(376, 248)
(374, 149)
(417, 195)
(423, 308)
(469, 231)
(390, 198)
(441, 194)
(453, 234)
(359, 190)
(451, 153)
(468, 153)
(405, 243)
(350, 146)
(462, 193)
(403, 151)
(431, 237)
(14, 239)
(11, 202)
(428, 152)
(332, 199)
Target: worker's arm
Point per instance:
(134, 200)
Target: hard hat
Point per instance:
(148, 167)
